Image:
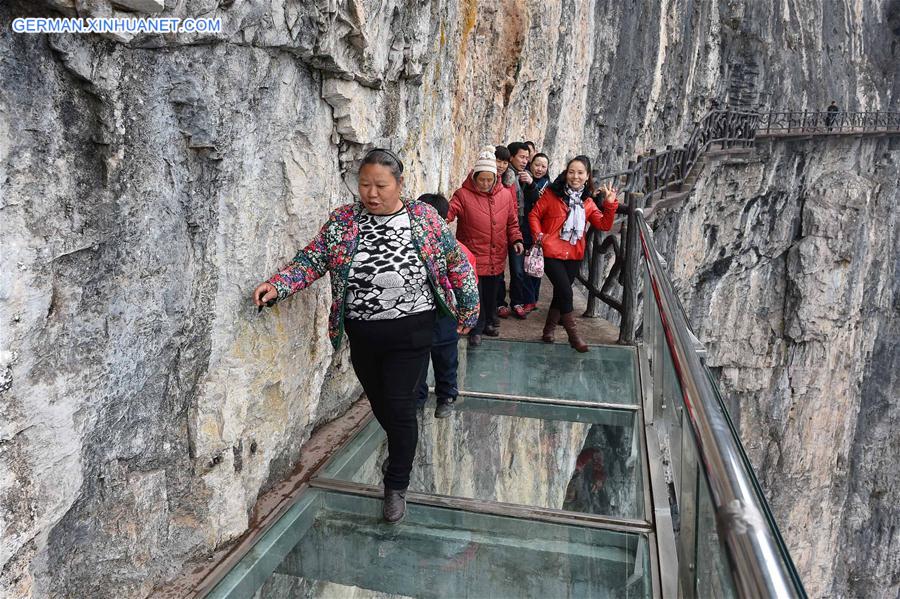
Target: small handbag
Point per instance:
(534, 262)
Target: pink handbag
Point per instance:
(534, 262)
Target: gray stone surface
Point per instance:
(147, 186)
(787, 264)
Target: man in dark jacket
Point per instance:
(831, 117)
(517, 176)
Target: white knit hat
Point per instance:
(486, 163)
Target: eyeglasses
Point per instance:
(390, 154)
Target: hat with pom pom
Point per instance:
(486, 163)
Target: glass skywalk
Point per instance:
(521, 492)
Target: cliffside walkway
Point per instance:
(616, 473)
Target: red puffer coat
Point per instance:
(488, 224)
(549, 215)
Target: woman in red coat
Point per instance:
(559, 222)
(488, 226)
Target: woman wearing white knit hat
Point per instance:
(488, 226)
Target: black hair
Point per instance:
(531, 143)
(502, 153)
(559, 184)
(541, 155)
(436, 201)
(384, 157)
(516, 147)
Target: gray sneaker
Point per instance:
(394, 505)
(444, 408)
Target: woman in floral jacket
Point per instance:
(393, 264)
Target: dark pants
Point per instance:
(561, 274)
(487, 292)
(532, 286)
(517, 293)
(389, 357)
(444, 360)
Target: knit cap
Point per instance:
(486, 161)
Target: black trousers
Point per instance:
(488, 287)
(561, 274)
(389, 357)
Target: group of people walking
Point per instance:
(403, 287)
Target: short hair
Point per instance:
(436, 201)
(386, 158)
(516, 147)
(531, 143)
(502, 153)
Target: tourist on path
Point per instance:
(518, 178)
(538, 167)
(559, 222)
(488, 226)
(444, 349)
(393, 264)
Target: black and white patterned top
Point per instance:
(387, 279)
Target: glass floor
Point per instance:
(560, 457)
(519, 493)
(606, 374)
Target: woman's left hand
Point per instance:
(519, 248)
(463, 329)
(608, 192)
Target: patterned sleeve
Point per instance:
(462, 279)
(310, 264)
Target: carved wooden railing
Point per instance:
(653, 176)
(805, 122)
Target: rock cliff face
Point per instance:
(787, 262)
(147, 184)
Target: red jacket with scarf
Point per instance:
(549, 215)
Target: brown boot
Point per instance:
(568, 322)
(550, 325)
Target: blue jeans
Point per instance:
(516, 279)
(444, 359)
(532, 287)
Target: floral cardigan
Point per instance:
(451, 276)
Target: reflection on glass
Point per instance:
(561, 457)
(437, 552)
(555, 371)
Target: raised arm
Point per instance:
(602, 217)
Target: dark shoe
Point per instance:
(503, 312)
(568, 322)
(550, 325)
(394, 505)
(474, 340)
(519, 311)
(491, 331)
(444, 408)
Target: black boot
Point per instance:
(394, 505)
(444, 407)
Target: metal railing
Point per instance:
(728, 542)
(651, 177)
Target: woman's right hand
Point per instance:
(264, 293)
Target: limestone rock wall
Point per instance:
(787, 263)
(147, 183)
